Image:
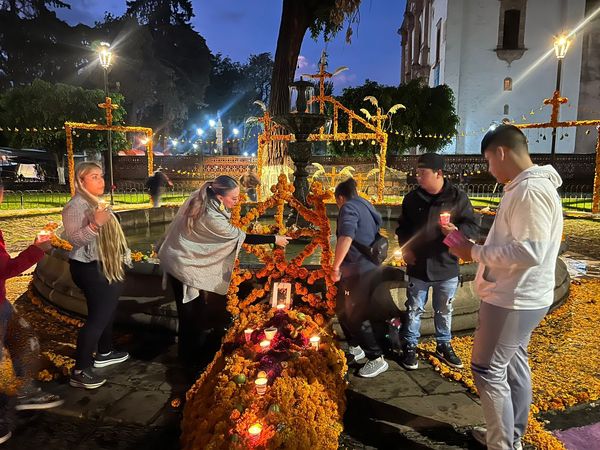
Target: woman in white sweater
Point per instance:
(197, 256)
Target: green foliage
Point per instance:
(429, 111)
(46, 105)
(161, 12)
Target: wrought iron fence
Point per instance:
(574, 197)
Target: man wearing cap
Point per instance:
(429, 213)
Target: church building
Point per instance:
(498, 58)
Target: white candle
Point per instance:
(264, 345)
(255, 430)
(270, 333)
(248, 334)
(280, 306)
(315, 342)
(261, 385)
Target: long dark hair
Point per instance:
(209, 190)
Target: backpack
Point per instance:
(377, 251)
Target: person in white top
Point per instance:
(515, 281)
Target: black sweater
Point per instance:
(419, 229)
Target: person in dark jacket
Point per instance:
(155, 185)
(429, 213)
(357, 275)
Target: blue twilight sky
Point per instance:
(239, 28)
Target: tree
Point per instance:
(158, 13)
(430, 116)
(40, 110)
(320, 16)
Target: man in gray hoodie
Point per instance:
(515, 281)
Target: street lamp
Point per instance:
(105, 56)
(561, 45)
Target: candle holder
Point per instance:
(254, 432)
(270, 333)
(261, 385)
(248, 334)
(44, 235)
(264, 345)
(444, 218)
(315, 342)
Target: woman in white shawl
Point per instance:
(197, 256)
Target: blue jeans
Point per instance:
(417, 293)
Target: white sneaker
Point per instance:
(480, 435)
(373, 368)
(357, 352)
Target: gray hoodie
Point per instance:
(518, 260)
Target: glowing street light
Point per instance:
(174, 142)
(212, 123)
(200, 131)
(105, 57)
(561, 45)
(236, 131)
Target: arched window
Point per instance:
(510, 37)
(507, 85)
(506, 110)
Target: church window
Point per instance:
(510, 38)
(506, 110)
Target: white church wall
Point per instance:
(474, 72)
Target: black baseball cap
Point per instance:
(431, 161)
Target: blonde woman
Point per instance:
(97, 268)
(197, 256)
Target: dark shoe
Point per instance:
(479, 434)
(409, 357)
(38, 399)
(445, 352)
(113, 357)
(4, 435)
(86, 379)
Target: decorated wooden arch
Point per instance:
(108, 106)
(374, 126)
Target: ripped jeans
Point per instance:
(417, 293)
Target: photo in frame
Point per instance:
(281, 295)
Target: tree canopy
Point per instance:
(429, 112)
(39, 110)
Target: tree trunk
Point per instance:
(295, 20)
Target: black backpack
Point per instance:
(377, 251)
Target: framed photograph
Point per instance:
(281, 295)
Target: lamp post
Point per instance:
(561, 45)
(105, 56)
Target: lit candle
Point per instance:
(248, 334)
(255, 430)
(261, 385)
(398, 254)
(44, 235)
(444, 218)
(264, 345)
(270, 333)
(281, 306)
(315, 342)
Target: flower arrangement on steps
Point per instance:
(278, 380)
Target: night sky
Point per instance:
(239, 28)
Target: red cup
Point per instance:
(444, 218)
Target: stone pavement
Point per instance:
(398, 409)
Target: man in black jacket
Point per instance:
(429, 213)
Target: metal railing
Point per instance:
(574, 197)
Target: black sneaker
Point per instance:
(445, 352)
(409, 357)
(113, 357)
(86, 379)
(38, 399)
(4, 434)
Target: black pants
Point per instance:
(354, 305)
(202, 324)
(102, 299)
